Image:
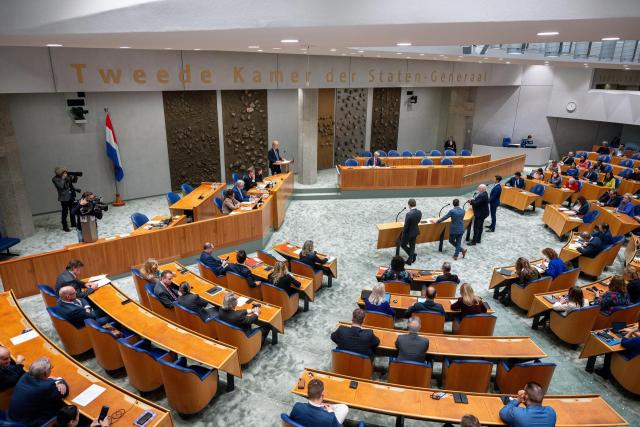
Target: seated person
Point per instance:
(229, 203)
(632, 278)
(375, 160)
(218, 266)
(250, 179)
(428, 305)
(10, 371)
(591, 175)
(243, 319)
(569, 159)
(259, 177)
(195, 303)
(552, 166)
(37, 397)
(411, 346)
(616, 296)
(537, 174)
(581, 207)
(376, 302)
(309, 256)
(619, 151)
(281, 278)
(635, 175)
(572, 170)
(631, 340)
(69, 416)
(468, 303)
(75, 310)
(555, 179)
(610, 198)
(533, 413)
(626, 207)
(609, 180)
(164, 290)
(525, 272)
(355, 338)
(446, 275)
(572, 184)
(555, 266)
(396, 271)
(583, 163)
(603, 233)
(516, 181)
(150, 270)
(239, 192)
(603, 149)
(599, 166)
(574, 299)
(241, 269)
(592, 247)
(316, 413)
(71, 276)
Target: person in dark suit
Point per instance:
(66, 194)
(241, 269)
(195, 303)
(410, 232)
(75, 310)
(603, 231)
(281, 278)
(37, 397)
(480, 205)
(84, 203)
(10, 371)
(516, 181)
(375, 160)
(593, 247)
(243, 319)
(239, 193)
(250, 179)
(218, 266)
(316, 413)
(70, 277)
(610, 198)
(164, 289)
(274, 156)
(412, 347)
(69, 416)
(428, 305)
(603, 149)
(494, 202)
(446, 275)
(310, 257)
(450, 144)
(456, 230)
(569, 159)
(355, 338)
(591, 175)
(259, 176)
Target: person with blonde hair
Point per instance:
(468, 303)
(632, 277)
(150, 270)
(555, 266)
(281, 278)
(377, 302)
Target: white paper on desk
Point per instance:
(96, 278)
(124, 235)
(572, 247)
(154, 222)
(331, 259)
(24, 337)
(242, 300)
(103, 281)
(297, 251)
(88, 395)
(563, 209)
(453, 301)
(540, 269)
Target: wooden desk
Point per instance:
(552, 195)
(595, 346)
(400, 303)
(199, 203)
(269, 314)
(175, 220)
(281, 189)
(499, 280)
(568, 251)
(560, 219)
(472, 347)
(165, 333)
(430, 231)
(418, 279)
(628, 186)
(78, 377)
(415, 160)
(413, 402)
(619, 223)
(519, 199)
(290, 251)
(631, 255)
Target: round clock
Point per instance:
(571, 107)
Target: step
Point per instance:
(311, 190)
(317, 196)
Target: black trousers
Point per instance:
(408, 245)
(478, 224)
(66, 211)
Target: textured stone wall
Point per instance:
(351, 123)
(385, 119)
(244, 117)
(326, 122)
(191, 121)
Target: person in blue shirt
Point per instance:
(626, 207)
(456, 231)
(516, 181)
(316, 413)
(555, 266)
(494, 202)
(376, 301)
(533, 414)
(239, 193)
(215, 264)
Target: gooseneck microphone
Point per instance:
(403, 209)
(442, 208)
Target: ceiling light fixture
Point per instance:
(403, 44)
(333, 49)
(260, 50)
(54, 45)
(289, 41)
(253, 47)
(548, 33)
(508, 62)
(610, 39)
(361, 51)
(398, 53)
(125, 47)
(276, 48)
(422, 54)
(168, 48)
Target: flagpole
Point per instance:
(118, 200)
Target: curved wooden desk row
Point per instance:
(415, 160)
(552, 195)
(401, 303)
(291, 251)
(413, 402)
(500, 277)
(199, 203)
(562, 220)
(589, 190)
(79, 378)
(117, 255)
(416, 176)
(519, 199)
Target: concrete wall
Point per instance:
(282, 121)
(47, 137)
(423, 125)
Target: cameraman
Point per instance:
(66, 193)
(86, 206)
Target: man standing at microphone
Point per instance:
(456, 231)
(410, 232)
(480, 205)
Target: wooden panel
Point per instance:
(191, 122)
(385, 119)
(326, 123)
(351, 123)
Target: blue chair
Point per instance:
(218, 202)
(138, 219)
(591, 216)
(382, 153)
(607, 168)
(449, 153)
(456, 374)
(582, 154)
(8, 242)
(48, 295)
(506, 141)
(413, 374)
(248, 343)
(365, 153)
(173, 197)
(426, 162)
(105, 346)
(407, 153)
(627, 163)
(141, 363)
(420, 153)
(465, 153)
(393, 153)
(5, 421)
(573, 172)
(435, 153)
(538, 189)
(446, 162)
(351, 162)
(289, 422)
(186, 188)
(632, 147)
(177, 376)
(156, 306)
(636, 156)
(625, 173)
(75, 338)
(605, 158)
(579, 185)
(636, 210)
(235, 177)
(511, 376)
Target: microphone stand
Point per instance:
(403, 209)
(442, 208)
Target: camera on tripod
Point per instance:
(94, 207)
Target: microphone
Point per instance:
(440, 213)
(403, 209)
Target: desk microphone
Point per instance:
(403, 209)
(440, 213)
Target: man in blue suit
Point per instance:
(533, 414)
(456, 231)
(316, 413)
(239, 193)
(516, 181)
(75, 310)
(494, 202)
(218, 266)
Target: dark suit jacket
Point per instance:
(238, 318)
(213, 262)
(411, 229)
(10, 375)
(313, 260)
(274, 156)
(428, 305)
(35, 401)
(248, 182)
(66, 278)
(163, 295)
(312, 416)
(480, 205)
(457, 220)
(583, 209)
(412, 347)
(593, 248)
(494, 195)
(358, 340)
(516, 182)
(195, 303)
(66, 191)
(76, 313)
(610, 201)
(243, 271)
(288, 283)
(591, 176)
(240, 195)
(378, 161)
(448, 277)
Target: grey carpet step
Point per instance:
(302, 190)
(317, 196)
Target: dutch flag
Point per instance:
(112, 149)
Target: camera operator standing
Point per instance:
(64, 181)
(88, 210)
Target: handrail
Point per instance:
(513, 159)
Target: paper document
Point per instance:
(242, 300)
(297, 251)
(453, 301)
(88, 395)
(331, 259)
(96, 278)
(102, 282)
(24, 337)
